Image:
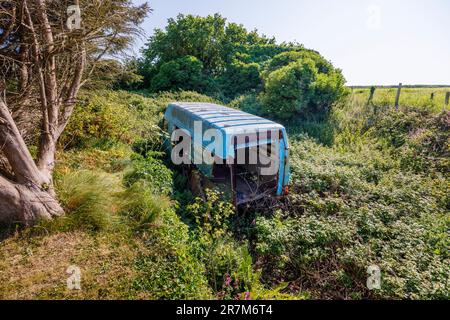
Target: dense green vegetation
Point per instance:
(130, 225)
(373, 198)
(369, 185)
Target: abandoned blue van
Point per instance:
(250, 154)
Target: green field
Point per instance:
(414, 97)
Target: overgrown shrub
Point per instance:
(418, 137)
(227, 262)
(151, 173)
(101, 118)
(308, 85)
(249, 103)
(171, 269)
(349, 211)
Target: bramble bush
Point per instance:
(357, 204)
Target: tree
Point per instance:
(48, 50)
(301, 83)
(115, 74)
(189, 36)
(240, 77)
(288, 90)
(213, 42)
(184, 73)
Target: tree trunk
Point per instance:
(26, 204)
(46, 157)
(30, 196)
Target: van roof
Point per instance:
(230, 121)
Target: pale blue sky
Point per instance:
(373, 41)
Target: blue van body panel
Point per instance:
(230, 123)
(281, 167)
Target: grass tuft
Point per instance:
(142, 206)
(90, 200)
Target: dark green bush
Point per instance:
(185, 73)
(240, 78)
(171, 270)
(286, 58)
(371, 189)
(308, 85)
(152, 173)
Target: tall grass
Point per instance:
(142, 206)
(90, 200)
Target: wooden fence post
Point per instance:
(372, 93)
(397, 98)
(447, 98)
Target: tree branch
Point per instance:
(8, 30)
(70, 100)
